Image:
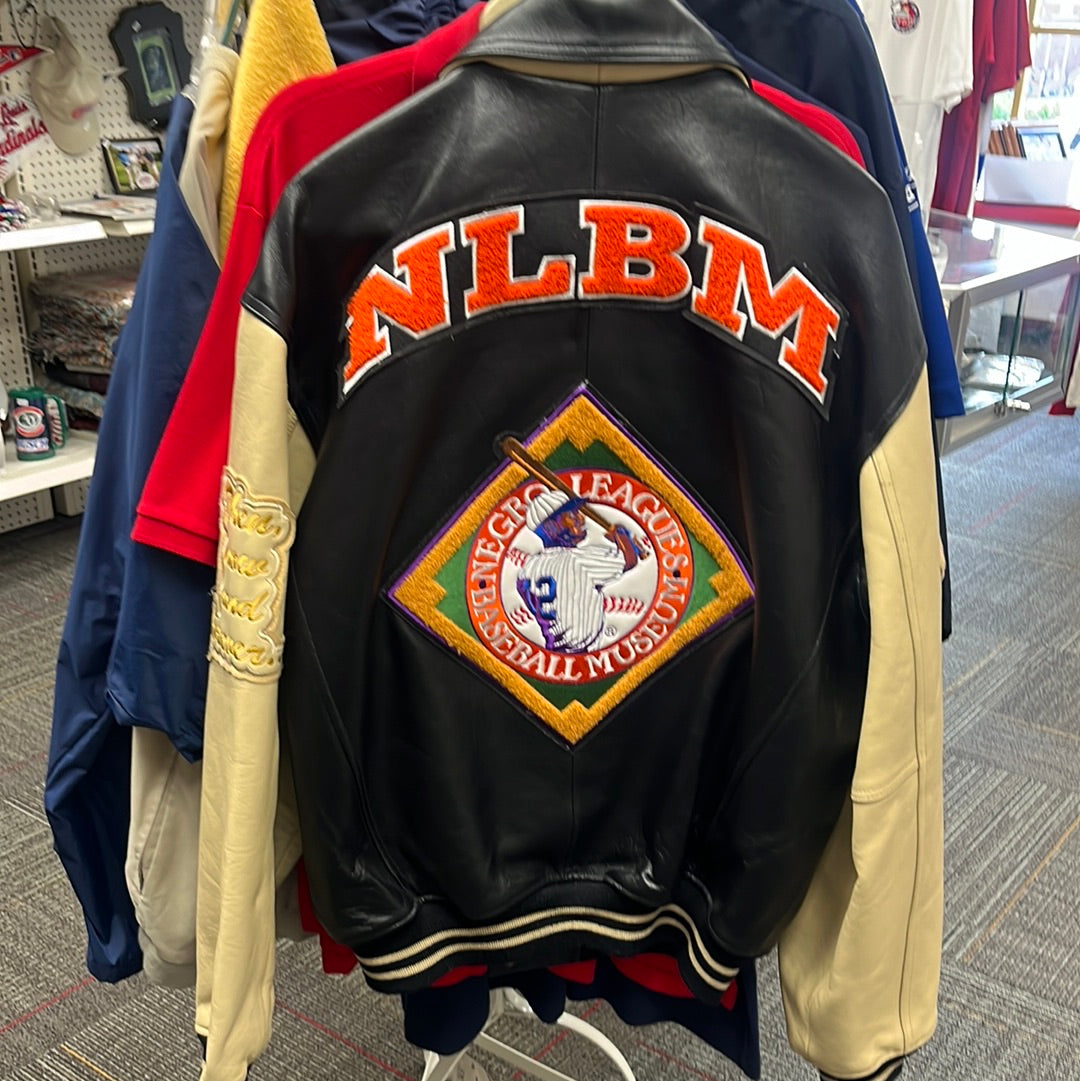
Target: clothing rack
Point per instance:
(504, 1001)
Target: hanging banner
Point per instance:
(22, 132)
(11, 56)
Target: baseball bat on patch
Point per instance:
(517, 453)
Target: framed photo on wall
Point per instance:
(149, 40)
(134, 165)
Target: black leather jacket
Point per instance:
(532, 719)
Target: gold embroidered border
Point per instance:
(246, 616)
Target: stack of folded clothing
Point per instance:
(72, 350)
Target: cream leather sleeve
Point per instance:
(860, 962)
(269, 468)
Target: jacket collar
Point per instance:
(597, 41)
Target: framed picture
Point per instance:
(1040, 143)
(149, 40)
(134, 165)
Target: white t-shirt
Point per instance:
(925, 48)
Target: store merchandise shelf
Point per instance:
(72, 230)
(128, 228)
(66, 231)
(73, 462)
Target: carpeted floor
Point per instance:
(1010, 1001)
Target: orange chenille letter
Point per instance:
(636, 251)
(736, 266)
(494, 283)
(418, 304)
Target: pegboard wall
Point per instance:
(52, 172)
(89, 22)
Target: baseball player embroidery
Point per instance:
(562, 586)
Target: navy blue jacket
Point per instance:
(357, 29)
(116, 596)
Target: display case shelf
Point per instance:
(1013, 295)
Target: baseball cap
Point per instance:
(66, 90)
(544, 505)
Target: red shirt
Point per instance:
(1002, 51)
(179, 507)
(829, 127)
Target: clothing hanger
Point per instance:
(507, 1001)
(229, 26)
(221, 29)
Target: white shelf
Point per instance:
(143, 227)
(72, 230)
(66, 231)
(70, 463)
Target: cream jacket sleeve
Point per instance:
(860, 962)
(268, 471)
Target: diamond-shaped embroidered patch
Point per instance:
(576, 572)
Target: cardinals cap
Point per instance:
(66, 90)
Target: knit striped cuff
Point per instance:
(889, 1072)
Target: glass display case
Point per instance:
(1012, 295)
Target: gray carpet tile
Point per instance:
(980, 668)
(1010, 999)
(1039, 921)
(1014, 593)
(1051, 695)
(25, 858)
(1045, 753)
(989, 1026)
(1014, 447)
(46, 994)
(146, 1038)
(1059, 541)
(999, 827)
(30, 660)
(1003, 508)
